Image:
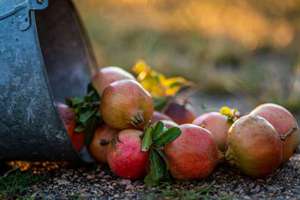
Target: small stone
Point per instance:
(247, 197)
(257, 188)
(129, 187)
(90, 177)
(125, 182)
(101, 174)
(62, 182)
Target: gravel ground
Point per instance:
(224, 183)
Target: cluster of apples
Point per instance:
(190, 146)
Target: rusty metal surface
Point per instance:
(30, 128)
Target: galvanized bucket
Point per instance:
(44, 57)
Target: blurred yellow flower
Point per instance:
(156, 83)
(225, 110)
(231, 114)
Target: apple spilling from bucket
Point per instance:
(119, 124)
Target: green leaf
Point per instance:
(90, 88)
(163, 156)
(87, 113)
(84, 117)
(90, 129)
(79, 129)
(158, 129)
(74, 101)
(167, 136)
(157, 169)
(147, 139)
(160, 103)
(92, 93)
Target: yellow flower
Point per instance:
(231, 114)
(225, 110)
(156, 83)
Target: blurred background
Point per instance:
(239, 53)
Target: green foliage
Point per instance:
(87, 112)
(160, 102)
(147, 139)
(158, 169)
(155, 137)
(158, 130)
(167, 136)
(15, 184)
(196, 193)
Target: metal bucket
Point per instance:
(44, 57)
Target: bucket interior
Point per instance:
(66, 51)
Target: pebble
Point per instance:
(62, 182)
(225, 181)
(90, 177)
(125, 182)
(129, 187)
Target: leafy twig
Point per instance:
(155, 138)
(86, 112)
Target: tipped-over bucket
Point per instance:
(44, 57)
